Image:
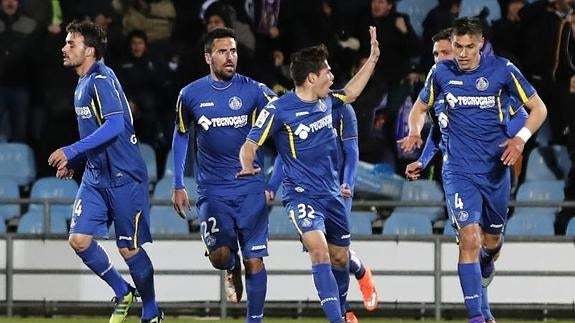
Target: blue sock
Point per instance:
(485, 309)
(355, 266)
(142, 272)
(256, 287)
(326, 287)
(341, 276)
(98, 261)
(470, 280)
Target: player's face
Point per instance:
(466, 49)
(75, 51)
(442, 50)
(323, 81)
(223, 59)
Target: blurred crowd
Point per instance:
(156, 48)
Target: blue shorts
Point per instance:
(227, 220)
(126, 206)
(327, 214)
(478, 198)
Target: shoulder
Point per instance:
(195, 86)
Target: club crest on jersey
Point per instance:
(235, 103)
(463, 215)
(481, 84)
(210, 241)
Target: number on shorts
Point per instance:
(458, 201)
(213, 228)
(78, 207)
(305, 210)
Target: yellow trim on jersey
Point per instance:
(292, 218)
(520, 90)
(254, 116)
(96, 113)
(499, 106)
(136, 222)
(291, 141)
(99, 103)
(431, 96)
(181, 125)
(266, 131)
(340, 96)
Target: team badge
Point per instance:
(463, 215)
(481, 84)
(306, 223)
(235, 103)
(210, 241)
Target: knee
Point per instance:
(128, 253)
(220, 258)
(319, 255)
(79, 242)
(254, 265)
(469, 240)
(339, 259)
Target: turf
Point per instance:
(133, 319)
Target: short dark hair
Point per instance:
(307, 60)
(467, 26)
(444, 34)
(217, 33)
(138, 33)
(94, 36)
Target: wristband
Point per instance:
(524, 133)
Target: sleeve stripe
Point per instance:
(99, 102)
(341, 129)
(520, 90)
(96, 113)
(500, 109)
(254, 116)
(291, 141)
(181, 125)
(266, 131)
(340, 96)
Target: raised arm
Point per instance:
(355, 86)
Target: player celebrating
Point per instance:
(301, 125)
(223, 107)
(115, 183)
(478, 149)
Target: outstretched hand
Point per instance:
(410, 143)
(374, 53)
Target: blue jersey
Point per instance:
(345, 123)
(306, 140)
(222, 114)
(99, 95)
(476, 107)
